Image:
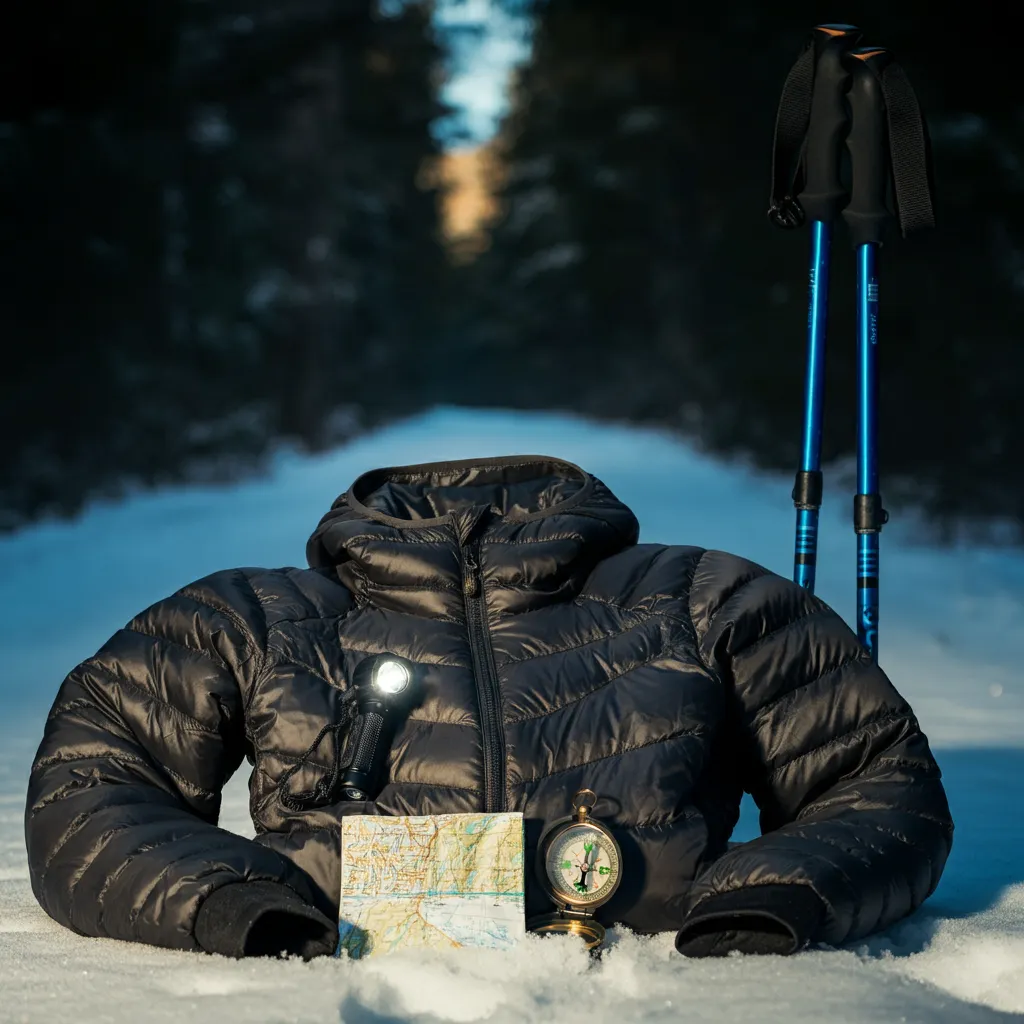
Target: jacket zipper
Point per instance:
(492, 728)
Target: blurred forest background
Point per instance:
(227, 225)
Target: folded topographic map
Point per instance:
(439, 880)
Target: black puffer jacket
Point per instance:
(556, 652)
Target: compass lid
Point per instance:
(568, 923)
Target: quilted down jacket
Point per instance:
(556, 652)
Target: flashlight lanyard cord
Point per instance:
(323, 792)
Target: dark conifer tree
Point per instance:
(215, 235)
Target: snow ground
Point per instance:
(951, 638)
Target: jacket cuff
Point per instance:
(779, 919)
(263, 919)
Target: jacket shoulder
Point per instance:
(253, 599)
(290, 594)
(749, 595)
(688, 578)
(647, 577)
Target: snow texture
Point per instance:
(951, 638)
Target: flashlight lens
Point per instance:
(391, 676)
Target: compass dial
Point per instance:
(582, 865)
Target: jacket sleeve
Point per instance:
(124, 793)
(854, 820)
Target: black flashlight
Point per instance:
(382, 685)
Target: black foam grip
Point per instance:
(824, 193)
(868, 142)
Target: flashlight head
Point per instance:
(390, 675)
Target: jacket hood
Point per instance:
(401, 526)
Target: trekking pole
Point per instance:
(888, 150)
(809, 132)
(867, 214)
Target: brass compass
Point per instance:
(580, 866)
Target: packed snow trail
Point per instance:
(951, 639)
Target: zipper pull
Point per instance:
(471, 579)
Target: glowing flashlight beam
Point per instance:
(391, 676)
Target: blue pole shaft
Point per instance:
(806, 554)
(867, 440)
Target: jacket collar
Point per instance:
(538, 526)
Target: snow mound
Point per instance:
(952, 639)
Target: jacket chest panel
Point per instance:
(310, 668)
(652, 727)
(558, 656)
(580, 683)
(303, 681)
